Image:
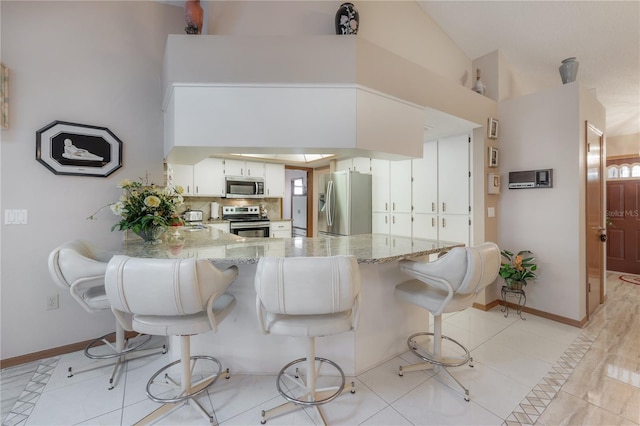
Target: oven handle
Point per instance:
(247, 225)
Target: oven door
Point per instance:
(250, 229)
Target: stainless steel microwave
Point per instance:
(244, 187)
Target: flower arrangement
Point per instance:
(518, 267)
(144, 208)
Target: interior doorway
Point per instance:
(298, 201)
(595, 224)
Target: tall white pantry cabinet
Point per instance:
(427, 197)
(441, 190)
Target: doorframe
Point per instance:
(310, 193)
(603, 257)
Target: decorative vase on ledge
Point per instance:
(569, 70)
(347, 19)
(152, 234)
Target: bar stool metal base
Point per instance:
(115, 354)
(186, 391)
(312, 397)
(435, 362)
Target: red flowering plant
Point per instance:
(517, 267)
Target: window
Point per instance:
(625, 171)
(297, 186)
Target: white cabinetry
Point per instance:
(425, 190)
(202, 179)
(441, 185)
(380, 220)
(181, 175)
(280, 229)
(357, 164)
(208, 177)
(243, 168)
(274, 180)
(391, 197)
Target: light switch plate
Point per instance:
(491, 212)
(15, 217)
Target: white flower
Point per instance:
(124, 183)
(117, 208)
(152, 201)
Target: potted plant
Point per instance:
(517, 269)
(146, 209)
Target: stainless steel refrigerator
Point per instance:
(344, 204)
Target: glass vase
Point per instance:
(152, 234)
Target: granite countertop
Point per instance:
(221, 246)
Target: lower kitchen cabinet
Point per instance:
(425, 226)
(280, 229)
(453, 227)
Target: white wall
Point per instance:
(540, 131)
(93, 63)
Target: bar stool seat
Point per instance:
(79, 267)
(307, 297)
(173, 297)
(448, 284)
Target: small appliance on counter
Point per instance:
(193, 220)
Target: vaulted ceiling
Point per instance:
(535, 36)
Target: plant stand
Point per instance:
(512, 292)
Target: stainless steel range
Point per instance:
(246, 221)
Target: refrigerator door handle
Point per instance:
(329, 203)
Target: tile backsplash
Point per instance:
(271, 205)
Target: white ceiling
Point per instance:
(535, 36)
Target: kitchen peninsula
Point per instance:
(384, 322)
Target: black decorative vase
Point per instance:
(347, 19)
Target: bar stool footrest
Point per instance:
(325, 399)
(192, 389)
(431, 358)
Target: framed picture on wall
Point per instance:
(492, 128)
(4, 97)
(78, 149)
(493, 157)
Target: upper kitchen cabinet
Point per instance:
(208, 177)
(274, 180)
(243, 168)
(181, 175)
(357, 164)
(205, 178)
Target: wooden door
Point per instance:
(595, 232)
(623, 233)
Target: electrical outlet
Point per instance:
(52, 302)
